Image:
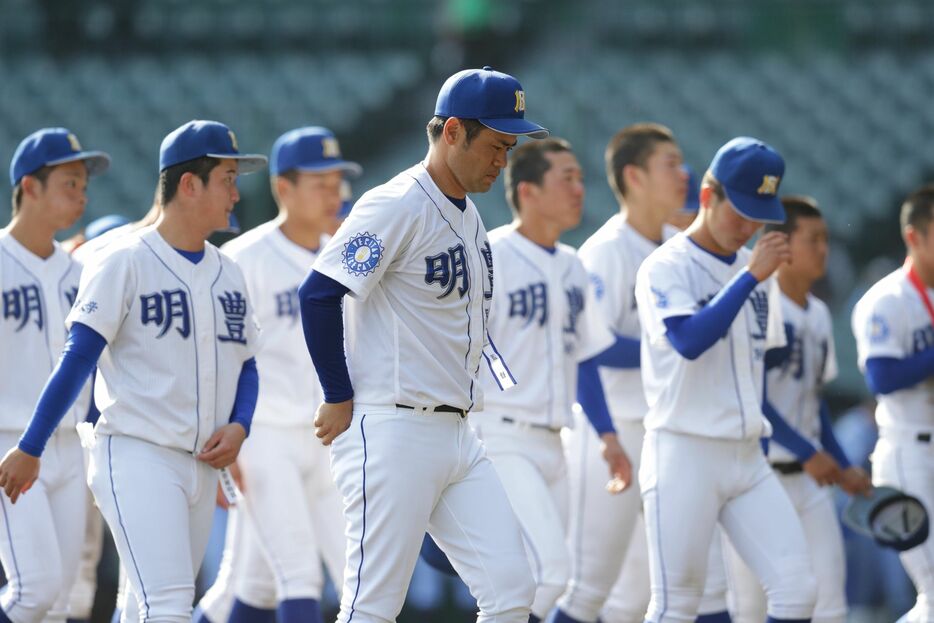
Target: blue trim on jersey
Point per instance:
(460, 204)
(363, 531)
(467, 307)
(18, 595)
(45, 307)
(192, 256)
(194, 331)
(726, 259)
(550, 250)
(126, 537)
(496, 350)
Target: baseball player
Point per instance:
(545, 320)
(709, 312)
(645, 170)
(414, 257)
(177, 382)
(894, 328)
(804, 451)
(291, 508)
(40, 538)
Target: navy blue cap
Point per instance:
(491, 97)
(891, 517)
(103, 225)
(197, 139)
(312, 149)
(51, 146)
(692, 200)
(750, 172)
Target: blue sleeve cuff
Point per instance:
(592, 398)
(323, 322)
(82, 350)
(247, 392)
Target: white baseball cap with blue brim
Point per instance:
(493, 98)
(197, 139)
(750, 172)
(49, 147)
(313, 149)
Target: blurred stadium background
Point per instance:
(840, 87)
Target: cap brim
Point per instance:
(757, 208)
(96, 161)
(515, 127)
(350, 168)
(246, 163)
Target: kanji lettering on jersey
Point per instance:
(287, 304)
(760, 303)
(234, 307)
(164, 308)
(575, 307)
(447, 269)
(531, 303)
(21, 304)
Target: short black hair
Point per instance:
(171, 176)
(916, 211)
(436, 127)
(633, 144)
(528, 163)
(41, 174)
(796, 207)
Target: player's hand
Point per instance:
(18, 472)
(332, 419)
(855, 481)
(223, 446)
(617, 461)
(770, 252)
(823, 469)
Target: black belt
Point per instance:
(509, 420)
(924, 437)
(791, 467)
(438, 409)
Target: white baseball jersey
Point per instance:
(36, 296)
(83, 253)
(720, 393)
(172, 328)
(891, 321)
(794, 388)
(544, 321)
(420, 275)
(274, 267)
(612, 255)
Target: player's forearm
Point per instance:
(82, 350)
(592, 399)
(885, 375)
(692, 335)
(784, 434)
(245, 399)
(323, 323)
(624, 353)
(828, 440)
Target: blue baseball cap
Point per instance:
(750, 172)
(197, 139)
(491, 97)
(51, 146)
(103, 225)
(312, 149)
(692, 201)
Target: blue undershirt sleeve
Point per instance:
(591, 397)
(245, 399)
(624, 353)
(693, 334)
(827, 438)
(784, 434)
(82, 350)
(323, 323)
(885, 375)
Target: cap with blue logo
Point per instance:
(52, 146)
(197, 139)
(750, 172)
(313, 149)
(491, 97)
(692, 200)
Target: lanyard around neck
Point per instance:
(915, 280)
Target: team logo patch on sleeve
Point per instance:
(362, 254)
(878, 329)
